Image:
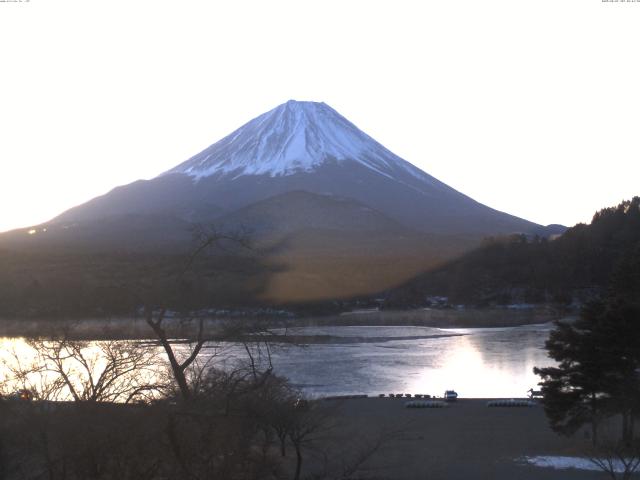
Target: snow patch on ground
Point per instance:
(564, 463)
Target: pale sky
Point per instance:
(531, 107)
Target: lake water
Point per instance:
(480, 362)
(476, 362)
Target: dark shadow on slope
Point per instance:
(309, 271)
(53, 284)
(324, 270)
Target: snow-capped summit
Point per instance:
(333, 213)
(292, 138)
(301, 147)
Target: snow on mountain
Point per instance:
(308, 147)
(333, 213)
(292, 138)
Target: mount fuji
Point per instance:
(293, 138)
(320, 193)
(309, 147)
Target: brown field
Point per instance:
(466, 440)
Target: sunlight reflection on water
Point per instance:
(476, 362)
(482, 362)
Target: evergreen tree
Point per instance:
(622, 321)
(574, 391)
(575, 266)
(598, 372)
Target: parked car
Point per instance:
(450, 395)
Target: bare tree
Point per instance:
(25, 373)
(206, 240)
(619, 460)
(178, 368)
(102, 371)
(307, 422)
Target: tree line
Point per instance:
(577, 266)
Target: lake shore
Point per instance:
(136, 328)
(464, 440)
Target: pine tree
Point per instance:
(622, 320)
(574, 391)
(598, 372)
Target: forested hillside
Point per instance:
(573, 267)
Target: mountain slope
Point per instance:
(333, 213)
(302, 146)
(299, 210)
